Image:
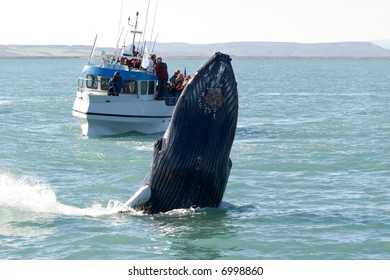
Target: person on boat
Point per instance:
(115, 84)
(179, 84)
(161, 70)
(187, 79)
(153, 57)
(150, 65)
(172, 79)
(172, 82)
(134, 52)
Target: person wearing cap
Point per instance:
(161, 70)
(115, 84)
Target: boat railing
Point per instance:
(80, 84)
(171, 101)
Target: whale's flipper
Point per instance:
(141, 196)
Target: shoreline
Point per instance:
(167, 57)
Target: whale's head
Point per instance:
(191, 164)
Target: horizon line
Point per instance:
(212, 43)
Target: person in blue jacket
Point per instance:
(115, 84)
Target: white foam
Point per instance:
(5, 102)
(28, 195)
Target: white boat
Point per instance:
(134, 109)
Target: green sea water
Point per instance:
(310, 176)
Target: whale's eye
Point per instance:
(214, 98)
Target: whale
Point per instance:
(191, 162)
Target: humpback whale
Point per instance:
(191, 162)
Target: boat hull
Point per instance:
(102, 115)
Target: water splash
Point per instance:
(28, 196)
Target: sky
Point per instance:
(76, 22)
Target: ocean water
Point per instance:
(310, 176)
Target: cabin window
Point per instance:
(144, 87)
(104, 83)
(92, 82)
(151, 88)
(130, 87)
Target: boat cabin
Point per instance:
(95, 80)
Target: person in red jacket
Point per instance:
(161, 70)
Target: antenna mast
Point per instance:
(92, 50)
(146, 22)
(119, 26)
(135, 31)
(154, 20)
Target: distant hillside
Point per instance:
(20, 51)
(237, 49)
(382, 43)
(267, 49)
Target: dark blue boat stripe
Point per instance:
(126, 116)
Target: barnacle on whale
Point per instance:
(214, 98)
